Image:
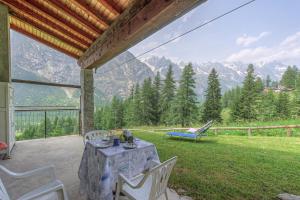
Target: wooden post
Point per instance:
(249, 132)
(289, 132)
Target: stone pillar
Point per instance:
(87, 100)
(4, 45)
(7, 133)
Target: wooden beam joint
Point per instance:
(137, 22)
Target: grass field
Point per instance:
(232, 167)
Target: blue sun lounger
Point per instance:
(193, 135)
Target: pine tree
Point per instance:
(268, 81)
(267, 107)
(147, 111)
(185, 105)
(98, 119)
(156, 99)
(116, 113)
(245, 108)
(282, 106)
(212, 105)
(167, 95)
(137, 106)
(129, 108)
(298, 82)
(289, 77)
(259, 85)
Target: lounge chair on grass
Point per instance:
(192, 133)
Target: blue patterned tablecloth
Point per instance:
(99, 168)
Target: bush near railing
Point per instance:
(31, 124)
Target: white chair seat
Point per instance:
(48, 191)
(139, 193)
(44, 190)
(150, 185)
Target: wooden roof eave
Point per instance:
(24, 7)
(138, 21)
(36, 34)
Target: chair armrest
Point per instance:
(39, 171)
(122, 178)
(155, 162)
(46, 189)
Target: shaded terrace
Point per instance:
(90, 31)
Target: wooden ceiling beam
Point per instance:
(86, 10)
(137, 22)
(53, 22)
(111, 6)
(64, 21)
(84, 4)
(63, 7)
(24, 32)
(46, 29)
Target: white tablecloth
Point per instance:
(99, 168)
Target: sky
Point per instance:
(264, 31)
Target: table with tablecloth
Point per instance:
(100, 167)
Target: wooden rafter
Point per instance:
(54, 15)
(75, 5)
(63, 7)
(26, 17)
(91, 9)
(111, 6)
(51, 31)
(143, 18)
(46, 19)
(25, 30)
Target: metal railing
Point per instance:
(42, 122)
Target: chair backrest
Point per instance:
(93, 135)
(205, 127)
(160, 177)
(3, 192)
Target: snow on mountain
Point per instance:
(34, 61)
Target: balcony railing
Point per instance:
(43, 122)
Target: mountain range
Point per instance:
(34, 61)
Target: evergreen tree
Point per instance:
(167, 95)
(259, 85)
(185, 105)
(147, 111)
(137, 115)
(295, 105)
(267, 108)
(282, 106)
(289, 77)
(298, 82)
(98, 119)
(212, 105)
(129, 109)
(245, 108)
(268, 81)
(156, 99)
(116, 113)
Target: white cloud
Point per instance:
(246, 40)
(287, 51)
(188, 16)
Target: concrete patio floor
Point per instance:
(63, 152)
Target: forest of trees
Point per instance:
(165, 102)
(54, 127)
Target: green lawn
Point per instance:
(232, 167)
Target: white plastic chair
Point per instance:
(52, 190)
(93, 135)
(148, 186)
